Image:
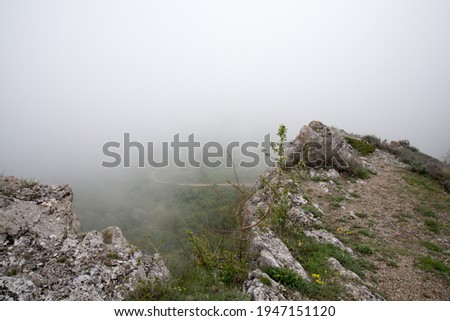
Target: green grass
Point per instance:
(312, 209)
(361, 146)
(291, 280)
(335, 201)
(368, 232)
(428, 263)
(425, 211)
(423, 182)
(265, 280)
(432, 225)
(337, 198)
(193, 284)
(354, 194)
(361, 214)
(307, 197)
(320, 178)
(314, 255)
(113, 256)
(365, 249)
(431, 246)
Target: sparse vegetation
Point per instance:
(425, 211)
(320, 178)
(354, 195)
(356, 169)
(107, 236)
(365, 249)
(312, 209)
(279, 214)
(361, 214)
(113, 255)
(12, 272)
(432, 225)
(336, 201)
(291, 280)
(368, 232)
(428, 263)
(265, 281)
(418, 161)
(431, 246)
(278, 147)
(361, 146)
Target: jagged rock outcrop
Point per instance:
(356, 287)
(261, 287)
(320, 146)
(43, 257)
(324, 236)
(323, 153)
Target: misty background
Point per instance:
(77, 74)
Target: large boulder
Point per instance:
(43, 256)
(320, 146)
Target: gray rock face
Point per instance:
(320, 146)
(261, 287)
(356, 288)
(324, 236)
(273, 252)
(43, 257)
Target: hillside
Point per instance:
(368, 220)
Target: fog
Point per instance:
(77, 74)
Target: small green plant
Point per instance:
(432, 225)
(431, 246)
(392, 263)
(152, 291)
(312, 209)
(365, 249)
(264, 280)
(315, 290)
(27, 183)
(107, 236)
(307, 197)
(428, 263)
(356, 169)
(113, 256)
(280, 216)
(337, 198)
(230, 268)
(320, 178)
(336, 201)
(62, 259)
(12, 272)
(368, 232)
(354, 195)
(361, 214)
(425, 211)
(278, 147)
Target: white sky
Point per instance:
(75, 74)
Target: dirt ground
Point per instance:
(388, 213)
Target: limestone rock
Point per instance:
(273, 252)
(358, 289)
(324, 236)
(44, 258)
(261, 287)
